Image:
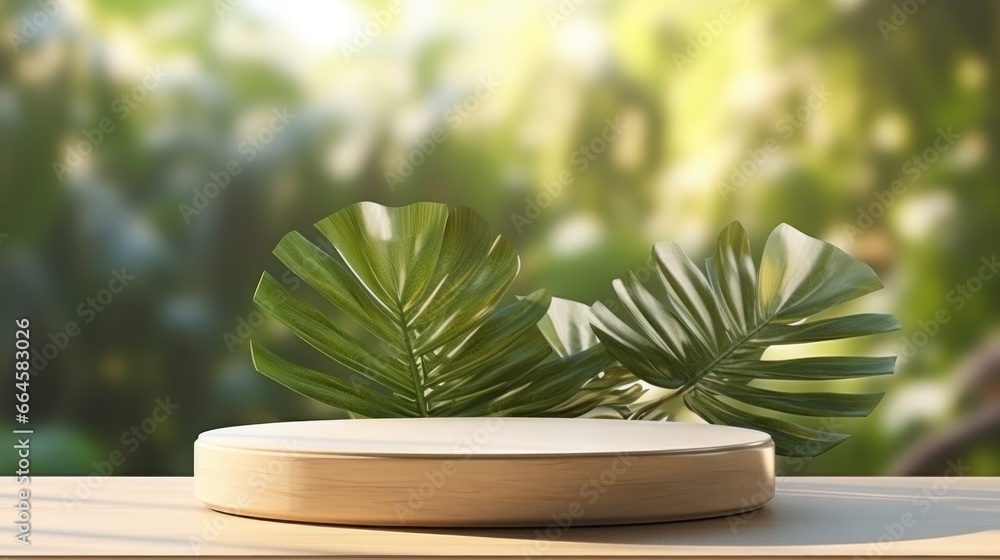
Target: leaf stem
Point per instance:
(418, 382)
(646, 409)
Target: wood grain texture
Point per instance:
(523, 473)
(829, 517)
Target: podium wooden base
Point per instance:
(483, 472)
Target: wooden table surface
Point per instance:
(829, 517)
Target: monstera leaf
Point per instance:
(609, 395)
(705, 339)
(426, 282)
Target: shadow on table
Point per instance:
(808, 513)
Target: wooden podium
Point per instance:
(483, 472)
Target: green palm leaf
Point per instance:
(566, 327)
(706, 337)
(427, 283)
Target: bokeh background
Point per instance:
(707, 112)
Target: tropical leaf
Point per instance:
(427, 283)
(705, 339)
(566, 327)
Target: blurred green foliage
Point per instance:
(683, 95)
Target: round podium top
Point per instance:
(485, 437)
